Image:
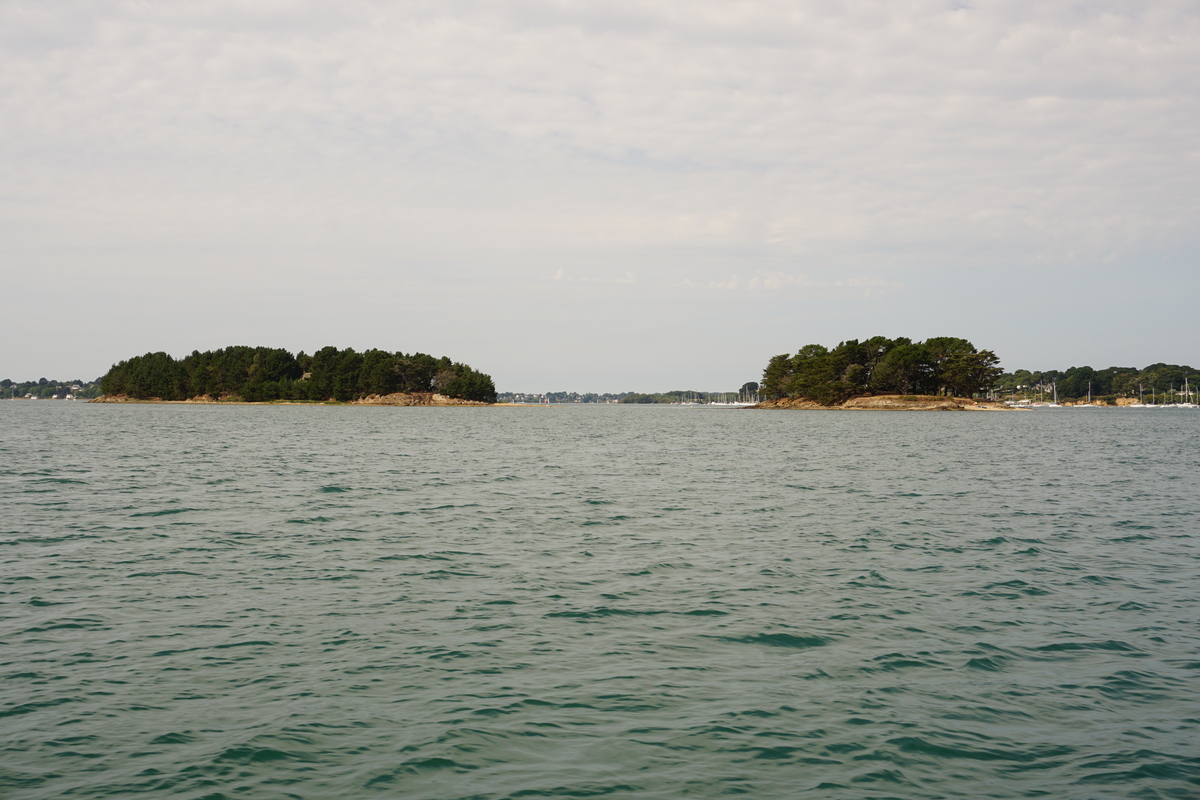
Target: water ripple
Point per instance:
(218, 602)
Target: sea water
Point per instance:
(650, 602)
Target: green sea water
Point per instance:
(651, 602)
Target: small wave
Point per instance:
(412, 556)
(1133, 526)
(164, 512)
(1143, 765)
(417, 766)
(880, 776)
(603, 612)
(1133, 685)
(915, 744)
(257, 755)
(989, 663)
(442, 574)
(27, 708)
(1069, 647)
(1012, 584)
(890, 662)
(785, 640)
(163, 572)
(1102, 579)
(66, 625)
(871, 580)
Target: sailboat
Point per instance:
(1088, 404)
(1055, 403)
(1187, 396)
(1140, 403)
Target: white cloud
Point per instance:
(497, 142)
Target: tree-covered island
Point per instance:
(264, 374)
(945, 366)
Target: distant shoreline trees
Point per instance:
(748, 393)
(1106, 384)
(44, 389)
(262, 374)
(943, 365)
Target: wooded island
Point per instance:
(264, 374)
(939, 366)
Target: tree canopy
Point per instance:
(258, 374)
(943, 365)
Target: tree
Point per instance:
(470, 385)
(1075, 382)
(949, 360)
(906, 369)
(971, 373)
(815, 376)
(776, 376)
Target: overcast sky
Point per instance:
(598, 196)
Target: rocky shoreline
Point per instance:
(397, 399)
(890, 402)
(416, 399)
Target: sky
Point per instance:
(634, 195)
